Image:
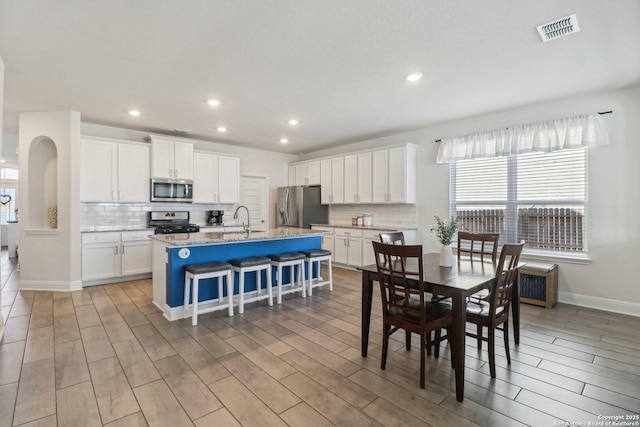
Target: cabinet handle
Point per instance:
(175, 171)
(122, 249)
(116, 249)
(119, 195)
(113, 195)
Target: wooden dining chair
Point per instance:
(494, 311)
(482, 244)
(395, 238)
(478, 245)
(403, 306)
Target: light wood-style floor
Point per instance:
(106, 356)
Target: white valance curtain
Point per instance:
(561, 134)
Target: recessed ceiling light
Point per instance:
(414, 77)
(134, 113)
(221, 129)
(3, 161)
(213, 102)
(293, 122)
(284, 140)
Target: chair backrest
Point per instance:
(478, 244)
(396, 265)
(395, 237)
(505, 279)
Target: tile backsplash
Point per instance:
(123, 216)
(383, 215)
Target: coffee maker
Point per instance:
(215, 217)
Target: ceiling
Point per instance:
(338, 66)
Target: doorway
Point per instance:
(254, 195)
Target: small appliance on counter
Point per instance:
(367, 219)
(171, 223)
(215, 217)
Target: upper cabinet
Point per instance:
(216, 178)
(383, 176)
(332, 181)
(357, 178)
(307, 173)
(171, 159)
(394, 175)
(114, 171)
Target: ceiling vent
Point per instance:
(559, 28)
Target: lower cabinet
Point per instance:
(112, 255)
(348, 246)
(327, 239)
(368, 236)
(352, 246)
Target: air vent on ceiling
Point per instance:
(559, 28)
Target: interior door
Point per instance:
(255, 197)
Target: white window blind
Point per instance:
(538, 197)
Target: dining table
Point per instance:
(466, 277)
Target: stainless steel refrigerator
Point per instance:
(300, 207)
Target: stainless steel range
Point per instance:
(172, 222)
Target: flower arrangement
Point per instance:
(445, 229)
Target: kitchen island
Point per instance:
(172, 252)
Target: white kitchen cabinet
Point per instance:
(216, 178)
(114, 171)
(100, 256)
(307, 173)
(112, 255)
(171, 159)
(368, 236)
(357, 178)
(135, 252)
(325, 182)
(348, 246)
(337, 180)
(327, 239)
(394, 175)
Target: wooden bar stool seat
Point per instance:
(256, 264)
(291, 260)
(196, 272)
(317, 256)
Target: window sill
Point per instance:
(549, 256)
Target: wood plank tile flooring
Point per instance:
(106, 356)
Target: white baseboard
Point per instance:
(615, 306)
(56, 286)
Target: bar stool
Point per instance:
(256, 264)
(197, 272)
(291, 260)
(317, 256)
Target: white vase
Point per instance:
(446, 256)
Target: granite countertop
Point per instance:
(368, 227)
(214, 238)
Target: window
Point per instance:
(538, 197)
(8, 195)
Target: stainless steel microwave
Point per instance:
(171, 190)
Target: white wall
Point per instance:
(50, 258)
(1, 133)
(610, 280)
(252, 162)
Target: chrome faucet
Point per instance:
(235, 216)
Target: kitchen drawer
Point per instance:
(133, 236)
(327, 230)
(372, 234)
(109, 237)
(348, 232)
